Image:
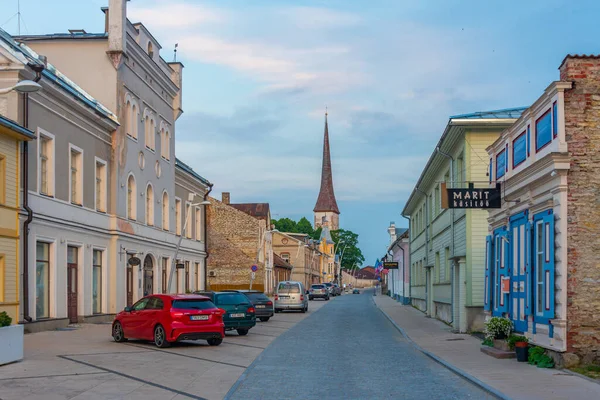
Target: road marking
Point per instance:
(187, 356)
(192, 396)
(54, 376)
(245, 345)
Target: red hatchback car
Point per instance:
(168, 318)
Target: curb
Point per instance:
(446, 364)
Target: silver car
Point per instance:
(291, 296)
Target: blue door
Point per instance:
(500, 272)
(518, 271)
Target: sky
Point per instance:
(259, 74)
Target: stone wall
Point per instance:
(582, 128)
(233, 243)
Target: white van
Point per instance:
(291, 296)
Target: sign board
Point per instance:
(253, 275)
(134, 261)
(180, 266)
(390, 265)
(254, 268)
(505, 285)
(471, 197)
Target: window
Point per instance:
(132, 113)
(198, 223)
(46, 163)
(177, 216)
(187, 276)
(150, 50)
(100, 185)
(164, 277)
(42, 280)
(501, 164)
(165, 145)
(519, 149)
(490, 172)
(2, 179)
(458, 174)
(554, 120)
(131, 198)
(149, 130)
(188, 217)
(285, 256)
(165, 211)
(543, 131)
(438, 199)
(149, 205)
(76, 174)
(447, 264)
(97, 282)
(437, 268)
(528, 140)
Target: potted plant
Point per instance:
(498, 329)
(11, 340)
(521, 346)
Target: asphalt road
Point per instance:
(348, 350)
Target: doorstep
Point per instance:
(497, 353)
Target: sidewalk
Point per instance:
(509, 378)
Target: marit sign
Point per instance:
(471, 197)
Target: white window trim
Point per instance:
(198, 223)
(52, 278)
(150, 139)
(149, 217)
(188, 228)
(178, 221)
(131, 117)
(80, 175)
(166, 211)
(104, 277)
(104, 184)
(51, 174)
(133, 197)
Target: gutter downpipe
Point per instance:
(437, 149)
(37, 68)
(403, 259)
(210, 188)
(426, 244)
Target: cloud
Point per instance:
(319, 17)
(174, 15)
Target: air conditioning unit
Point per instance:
(212, 273)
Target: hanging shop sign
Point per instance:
(390, 265)
(471, 197)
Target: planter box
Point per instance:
(501, 345)
(11, 344)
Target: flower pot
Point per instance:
(522, 351)
(11, 344)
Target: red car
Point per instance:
(168, 318)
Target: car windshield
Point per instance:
(317, 286)
(192, 304)
(288, 288)
(231, 299)
(257, 296)
(328, 284)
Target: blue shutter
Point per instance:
(548, 268)
(489, 267)
(504, 259)
(528, 275)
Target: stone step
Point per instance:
(496, 353)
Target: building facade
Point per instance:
(12, 135)
(447, 247)
(398, 251)
(327, 270)
(302, 253)
(542, 246)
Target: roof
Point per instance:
(15, 127)
(27, 55)
(186, 168)
(54, 36)
(326, 200)
(453, 129)
(325, 233)
(400, 231)
(363, 274)
(582, 56)
(280, 262)
(257, 210)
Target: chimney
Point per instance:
(116, 16)
(392, 232)
(225, 197)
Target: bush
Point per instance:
(512, 339)
(5, 319)
(498, 328)
(538, 356)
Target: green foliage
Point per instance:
(346, 244)
(5, 319)
(488, 342)
(538, 356)
(498, 328)
(317, 233)
(304, 226)
(591, 371)
(512, 339)
(286, 225)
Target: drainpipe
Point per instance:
(210, 188)
(38, 68)
(403, 262)
(448, 156)
(426, 244)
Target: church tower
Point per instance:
(326, 210)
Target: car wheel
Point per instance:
(303, 310)
(264, 319)
(214, 342)
(160, 337)
(327, 298)
(242, 332)
(117, 333)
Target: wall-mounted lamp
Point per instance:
(553, 173)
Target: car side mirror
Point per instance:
(127, 309)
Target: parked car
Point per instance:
(168, 318)
(291, 296)
(318, 291)
(337, 290)
(356, 291)
(329, 288)
(240, 314)
(262, 304)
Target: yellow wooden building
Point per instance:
(11, 136)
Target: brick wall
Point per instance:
(233, 242)
(582, 128)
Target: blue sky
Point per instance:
(259, 73)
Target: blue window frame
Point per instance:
(491, 170)
(543, 131)
(501, 164)
(554, 120)
(528, 139)
(543, 267)
(519, 149)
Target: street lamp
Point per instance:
(189, 209)
(25, 86)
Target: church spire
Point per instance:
(326, 201)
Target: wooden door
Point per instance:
(72, 293)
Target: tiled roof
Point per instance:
(257, 210)
(326, 200)
(582, 56)
(325, 233)
(280, 262)
(184, 167)
(494, 114)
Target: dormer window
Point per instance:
(150, 50)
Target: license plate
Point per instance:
(284, 297)
(259, 306)
(199, 317)
(237, 315)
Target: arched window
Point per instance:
(165, 211)
(128, 122)
(150, 50)
(133, 121)
(149, 129)
(131, 198)
(149, 205)
(167, 144)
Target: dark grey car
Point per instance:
(318, 291)
(262, 304)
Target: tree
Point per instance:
(346, 245)
(316, 235)
(285, 225)
(304, 226)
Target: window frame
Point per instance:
(48, 281)
(188, 217)
(501, 153)
(554, 120)
(79, 175)
(198, 223)
(166, 221)
(51, 163)
(104, 191)
(540, 148)
(149, 130)
(524, 136)
(100, 298)
(178, 216)
(149, 206)
(131, 203)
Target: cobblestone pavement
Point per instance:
(85, 363)
(348, 350)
